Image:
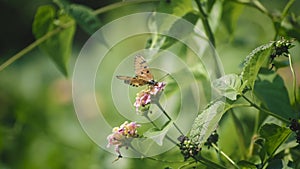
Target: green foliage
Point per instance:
(258, 96)
(179, 30)
(178, 7)
(246, 165)
(158, 135)
(83, 15)
(277, 102)
(274, 136)
(230, 15)
(59, 46)
(229, 86)
(207, 122)
(254, 61)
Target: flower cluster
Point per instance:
(295, 126)
(188, 148)
(149, 95)
(123, 135)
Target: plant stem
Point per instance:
(35, 44)
(162, 109)
(205, 23)
(167, 137)
(208, 163)
(166, 114)
(226, 156)
(29, 48)
(120, 4)
(255, 4)
(283, 15)
(286, 9)
(265, 111)
(294, 78)
(55, 31)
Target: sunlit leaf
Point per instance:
(274, 136)
(274, 96)
(229, 86)
(207, 122)
(254, 61)
(58, 46)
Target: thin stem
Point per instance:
(294, 78)
(283, 15)
(207, 162)
(35, 44)
(260, 7)
(166, 114)
(167, 137)
(55, 31)
(120, 4)
(265, 111)
(162, 109)
(30, 47)
(135, 150)
(255, 4)
(226, 156)
(148, 118)
(286, 9)
(205, 23)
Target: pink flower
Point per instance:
(148, 95)
(122, 136)
(158, 88)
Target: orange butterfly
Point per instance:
(142, 76)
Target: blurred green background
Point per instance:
(39, 127)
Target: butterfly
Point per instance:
(142, 76)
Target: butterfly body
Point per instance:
(143, 75)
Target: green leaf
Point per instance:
(230, 15)
(83, 15)
(180, 29)
(254, 61)
(174, 8)
(291, 26)
(58, 46)
(274, 96)
(158, 135)
(278, 164)
(207, 122)
(209, 5)
(274, 136)
(229, 86)
(177, 7)
(201, 75)
(85, 18)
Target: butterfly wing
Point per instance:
(141, 69)
(133, 81)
